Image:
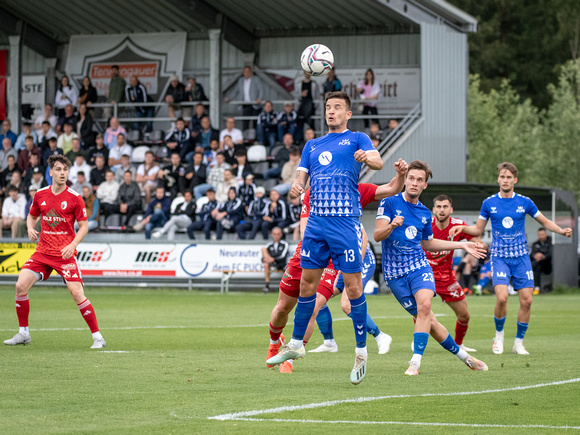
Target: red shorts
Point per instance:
(45, 264)
(290, 283)
(450, 291)
(326, 286)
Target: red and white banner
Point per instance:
(148, 73)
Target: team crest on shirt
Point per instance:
(520, 209)
(507, 222)
(84, 212)
(411, 232)
(344, 142)
(63, 205)
(325, 158)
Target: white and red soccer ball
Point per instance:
(317, 60)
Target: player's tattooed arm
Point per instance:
(551, 226)
(384, 228)
(299, 183)
(473, 230)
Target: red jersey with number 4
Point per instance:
(57, 214)
(442, 262)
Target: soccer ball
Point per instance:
(317, 60)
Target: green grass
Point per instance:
(209, 360)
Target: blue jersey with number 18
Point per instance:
(334, 172)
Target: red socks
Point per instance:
(460, 331)
(22, 310)
(275, 333)
(89, 315)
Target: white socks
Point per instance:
(97, 335)
(361, 351)
(330, 342)
(296, 344)
(24, 330)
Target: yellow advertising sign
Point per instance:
(13, 256)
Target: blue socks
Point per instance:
(302, 316)
(450, 345)
(372, 327)
(499, 323)
(420, 342)
(324, 321)
(522, 328)
(358, 313)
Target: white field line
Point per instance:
(238, 415)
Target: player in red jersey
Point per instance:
(290, 284)
(446, 284)
(58, 206)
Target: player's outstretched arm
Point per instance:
(476, 249)
(396, 184)
(69, 250)
(384, 228)
(551, 226)
(371, 158)
(299, 183)
(473, 230)
(31, 227)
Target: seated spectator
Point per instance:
(98, 150)
(157, 213)
(13, 211)
(274, 256)
(206, 217)
(88, 93)
(247, 190)
(276, 214)
(214, 178)
(118, 151)
(135, 92)
(34, 168)
(196, 173)
(195, 121)
(47, 116)
(175, 94)
(376, 141)
(391, 126)
(75, 150)
(112, 132)
(81, 182)
(206, 134)
(24, 155)
(6, 174)
(289, 172)
(210, 156)
(7, 132)
(98, 174)
(17, 181)
(172, 176)
(267, 127)
(7, 150)
(375, 130)
(22, 227)
(65, 140)
(181, 218)
(241, 168)
(229, 150)
(147, 175)
(124, 167)
(194, 90)
(65, 95)
(231, 130)
(308, 135)
(128, 200)
(225, 185)
(67, 117)
(287, 121)
(229, 214)
(281, 158)
(541, 258)
(256, 212)
(179, 140)
(79, 165)
(46, 133)
(52, 150)
(85, 128)
(108, 191)
(294, 210)
(92, 208)
(26, 131)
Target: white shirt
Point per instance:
(152, 171)
(108, 192)
(11, 209)
(247, 83)
(40, 119)
(236, 135)
(117, 152)
(71, 96)
(74, 170)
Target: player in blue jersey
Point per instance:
(510, 260)
(403, 226)
(333, 163)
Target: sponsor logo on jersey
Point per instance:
(493, 210)
(66, 273)
(507, 222)
(344, 142)
(520, 209)
(52, 218)
(63, 205)
(381, 210)
(325, 158)
(411, 232)
(69, 266)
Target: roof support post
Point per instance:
(215, 76)
(14, 97)
(50, 80)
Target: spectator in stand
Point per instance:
(33, 163)
(116, 91)
(249, 89)
(195, 121)
(376, 140)
(375, 131)
(195, 90)
(247, 190)
(13, 211)
(229, 150)
(276, 214)
(181, 218)
(256, 212)
(46, 134)
(281, 158)
(215, 177)
(541, 257)
(7, 132)
(308, 135)
(47, 116)
(112, 132)
(307, 92)
(92, 207)
(16, 181)
(36, 179)
(117, 152)
(125, 166)
(196, 173)
(75, 150)
(65, 140)
(88, 93)
(81, 182)
(26, 131)
(241, 169)
(65, 95)
(179, 140)
(231, 130)
(24, 155)
(22, 227)
(206, 221)
(392, 125)
(287, 121)
(98, 150)
(225, 185)
(98, 173)
(207, 134)
(157, 214)
(229, 214)
(7, 150)
(274, 256)
(332, 83)
(267, 127)
(79, 164)
(211, 154)
(175, 94)
(108, 191)
(85, 127)
(135, 92)
(288, 172)
(369, 91)
(147, 175)
(68, 116)
(6, 174)
(294, 210)
(172, 176)
(128, 200)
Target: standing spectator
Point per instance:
(46, 133)
(287, 121)
(7, 132)
(7, 150)
(196, 173)
(232, 131)
(195, 90)
(247, 190)
(128, 200)
(147, 175)
(257, 210)
(66, 94)
(229, 214)
(117, 152)
(85, 127)
(541, 257)
(47, 116)
(276, 214)
(91, 207)
(75, 150)
(267, 127)
(157, 213)
(206, 221)
(172, 176)
(78, 165)
(116, 91)
(112, 132)
(195, 122)
(175, 94)
(207, 134)
(274, 256)
(68, 116)
(98, 150)
(99, 173)
(181, 218)
(26, 131)
(124, 167)
(24, 155)
(64, 141)
(288, 172)
(88, 93)
(241, 168)
(281, 158)
(13, 211)
(332, 83)
(369, 91)
(108, 191)
(225, 185)
(179, 140)
(81, 182)
(135, 92)
(308, 91)
(248, 89)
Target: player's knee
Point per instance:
(463, 317)
(526, 302)
(21, 288)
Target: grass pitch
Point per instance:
(176, 358)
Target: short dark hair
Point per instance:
(58, 158)
(26, 124)
(180, 119)
(115, 67)
(442, 198)
(509, 166)
(341, 96)
(421, 166)
(13, 189)
(29, 137)
(542, 229)
(240, 152)
(121, 134)
(81, 173)
(294, 151)
(45, 122)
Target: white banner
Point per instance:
(33, 92)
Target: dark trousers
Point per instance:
(248, 110)
(253, 226)
(109, 209)
(206, 226)
(369, 110)
(267, 226)
(539, 268)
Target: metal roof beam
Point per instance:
(31, 37)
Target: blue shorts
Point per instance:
(405, 287)
(518, 269)
(339, 238)
(368, 270)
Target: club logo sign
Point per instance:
(325, 158)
